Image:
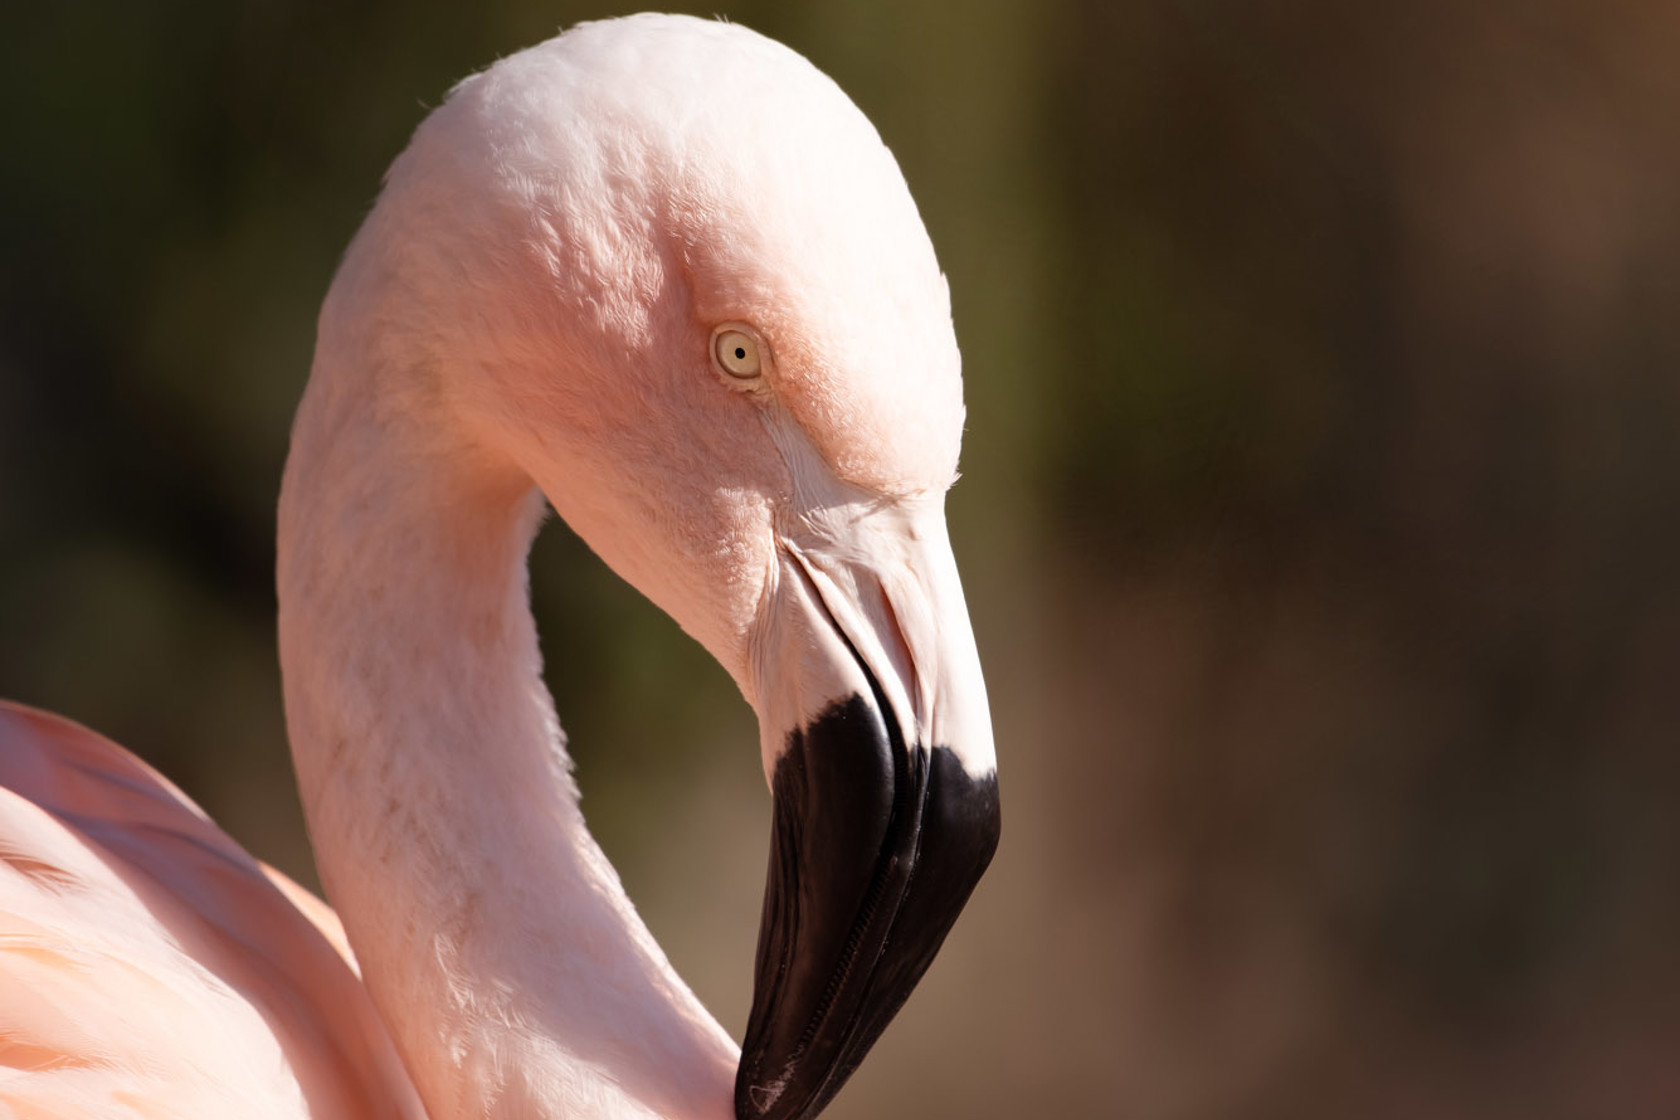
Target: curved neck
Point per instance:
(494, 937)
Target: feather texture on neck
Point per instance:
(495, 938)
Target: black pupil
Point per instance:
(740, 353)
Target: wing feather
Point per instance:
(149, 967)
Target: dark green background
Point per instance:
(1320, 515)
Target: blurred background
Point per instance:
(1320, 514)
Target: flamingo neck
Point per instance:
(495, 938)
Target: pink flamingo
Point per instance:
(663, 273)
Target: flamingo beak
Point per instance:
(878, 747)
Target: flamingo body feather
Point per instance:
(150, 967)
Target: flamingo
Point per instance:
(662, 273)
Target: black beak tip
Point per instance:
(876, 849)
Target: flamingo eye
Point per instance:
(736, 353)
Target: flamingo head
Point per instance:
(666, 269)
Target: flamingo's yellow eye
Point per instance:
(736, 352)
